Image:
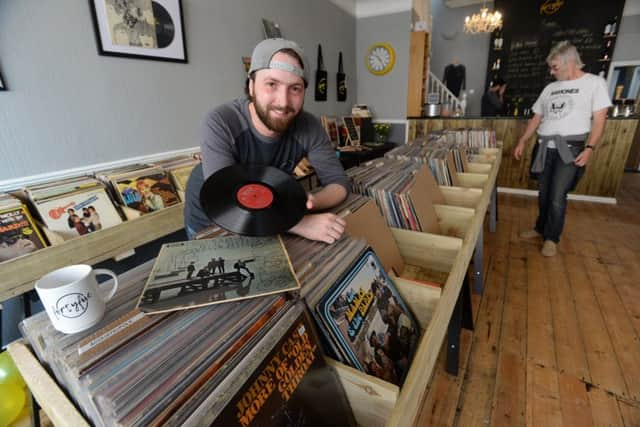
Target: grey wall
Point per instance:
(69, 107)
(449, 42)
(385, 95)
(628, 42)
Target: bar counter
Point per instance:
(604, 171)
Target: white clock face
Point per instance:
(380, 58)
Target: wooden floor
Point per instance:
(556, 340)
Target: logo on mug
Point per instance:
(72, 305)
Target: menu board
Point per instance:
(532, 27)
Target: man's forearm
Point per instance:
(597, 127)
(329, 196)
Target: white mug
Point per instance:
(72, 297)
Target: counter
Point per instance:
(604, 171)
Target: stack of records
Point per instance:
(252, 362)
(74, 206)
(19, 234)
(143, 189)
(179, 168)
(473, 139)
(389, 182)
(444, 156)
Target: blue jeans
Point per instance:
(555, 182)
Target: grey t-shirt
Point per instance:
(229, 137)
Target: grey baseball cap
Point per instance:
(264, 51)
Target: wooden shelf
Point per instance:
(374, 402)
(19, 274)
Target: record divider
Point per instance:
(374, 402)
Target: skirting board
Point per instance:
(579, 197)
(17, 183)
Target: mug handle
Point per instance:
(114, 288)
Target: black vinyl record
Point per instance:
(253, 200)
(165, 29)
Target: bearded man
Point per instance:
(270, 128)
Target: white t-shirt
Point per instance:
(566, 106)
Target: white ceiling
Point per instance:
(364, 8)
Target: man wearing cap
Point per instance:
(270, 128)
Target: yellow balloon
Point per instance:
(9, 374)
(11, 404)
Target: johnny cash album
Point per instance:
(286, 388)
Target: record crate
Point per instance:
(460, 216)
(374, 402)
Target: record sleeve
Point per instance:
(18, 233)
(367, 317)
(79, 213)
(212, 271)
(286, 388)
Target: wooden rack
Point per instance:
(19, 274)
(374, 402)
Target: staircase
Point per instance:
(448, 100)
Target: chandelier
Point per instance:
(483, 22)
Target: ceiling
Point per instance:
(364, 8)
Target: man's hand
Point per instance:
(583, 158)
(517, 152)
(325, 227)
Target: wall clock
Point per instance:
(380, 58)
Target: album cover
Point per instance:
(181, 176)
(19, 234)
(147, 192)
(211, 271)
(368, 319)
(293, 386)
(79, 213)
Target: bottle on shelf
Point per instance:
(607, 27)
(603, 70)
(614, 26)
(606, 50)
(496, 65)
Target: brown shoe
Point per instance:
(529, 234)
(549, 248)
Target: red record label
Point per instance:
(255, 196)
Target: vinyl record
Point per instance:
(165, 29)
(253, 200)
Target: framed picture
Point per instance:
(330, 124)
(353, 132)
(147, 29)
(2, 86)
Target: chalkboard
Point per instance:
(532, 27)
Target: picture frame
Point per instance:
(2, 85)
(154, 31)
(330, 125)
(353, 131)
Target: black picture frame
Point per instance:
(155, 32)
(2, 85)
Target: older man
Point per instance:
(270, 128)
(569, 117)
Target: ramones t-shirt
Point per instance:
(566, 106)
